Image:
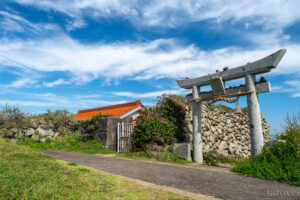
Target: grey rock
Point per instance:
(273, 142)
(19, 135)
(56, 134)
(182, 150)
(29, 132)
(33, 123)
(15, 141)
(42, 132)
(42, 140)
(9, 134)
(51, 133)
(45, 127)
(223, 145)
(14, 130)
(35, 137)
(43, 122)
(51, 126)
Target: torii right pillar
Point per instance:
(256, 134)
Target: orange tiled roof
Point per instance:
(115, 110)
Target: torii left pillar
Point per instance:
(197, 127)
(256, 134)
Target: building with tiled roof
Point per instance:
(124, 110)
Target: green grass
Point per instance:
(69, 143)
(75, 143)
(26, 173)
(214, 158)
(280, 162)
(159, 156)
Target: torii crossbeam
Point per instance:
(251, 89)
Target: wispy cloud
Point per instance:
(89, 96)
(295, 87)
(172, 13)
(28, 103)
(292, 87)
(55, 83)
(23, 82)
(147, 94)
(136, 60)
(13, 22)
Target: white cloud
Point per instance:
(79, 23)
(28, 103)
(146, 95)
(272, 14)
(50, 100)
(89, 96)
(113, 61)
(20, 83)
(12, 22)
(55, 83)
(292, 86)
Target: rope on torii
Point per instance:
(226, 99)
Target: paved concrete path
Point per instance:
(217, 184)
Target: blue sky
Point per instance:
(68, 54)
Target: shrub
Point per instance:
(62, 121)
(214, 158)
(89, 128)
(152, 129)
(279, 162)
(172, 107)
(12, 116)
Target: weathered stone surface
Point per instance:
(9, 134)
(42, 132)
(35, 138)
(29, 132)
(107, 134)
(42, 140)
(223, 131)
(43, 126)
(15, 141)
(273, 142)
(34, 123)
(36, 129)
(43, 122)
(19, 135)
(261, 66)
(182, 150)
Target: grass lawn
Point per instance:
(26, 173)
(69, 143)
(75, 143)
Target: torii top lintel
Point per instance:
(258, 67)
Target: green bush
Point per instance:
(214, 158)
(172, 107)
(62, 121)
(12, 116)
(280, 162)
(152, 129)
(89, 128)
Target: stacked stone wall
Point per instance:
(224, 130)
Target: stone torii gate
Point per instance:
(219, 92)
